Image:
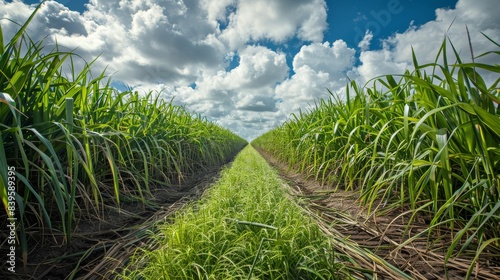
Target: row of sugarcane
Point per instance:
(75, 145)
(426, 140)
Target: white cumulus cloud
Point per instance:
(275, 20)
(450, 25)
(317, 67)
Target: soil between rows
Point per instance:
(102, 244)
(340, 215)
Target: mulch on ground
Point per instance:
(382, 237)
(100, 245)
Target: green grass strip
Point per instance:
(244, 227)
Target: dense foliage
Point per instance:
(428, 140)
(77, 144)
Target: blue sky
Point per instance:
(248, 65)
(348, 19)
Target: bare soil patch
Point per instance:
(381, 239)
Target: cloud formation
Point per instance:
(317, 67)
(450, 24)
(225, 60)
(275, 20)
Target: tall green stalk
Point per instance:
(79, 145)
(431, 135)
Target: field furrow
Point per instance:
(246, 226)
(379, 245)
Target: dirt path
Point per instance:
(99, 245)
(376, 243)
(380, 243)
